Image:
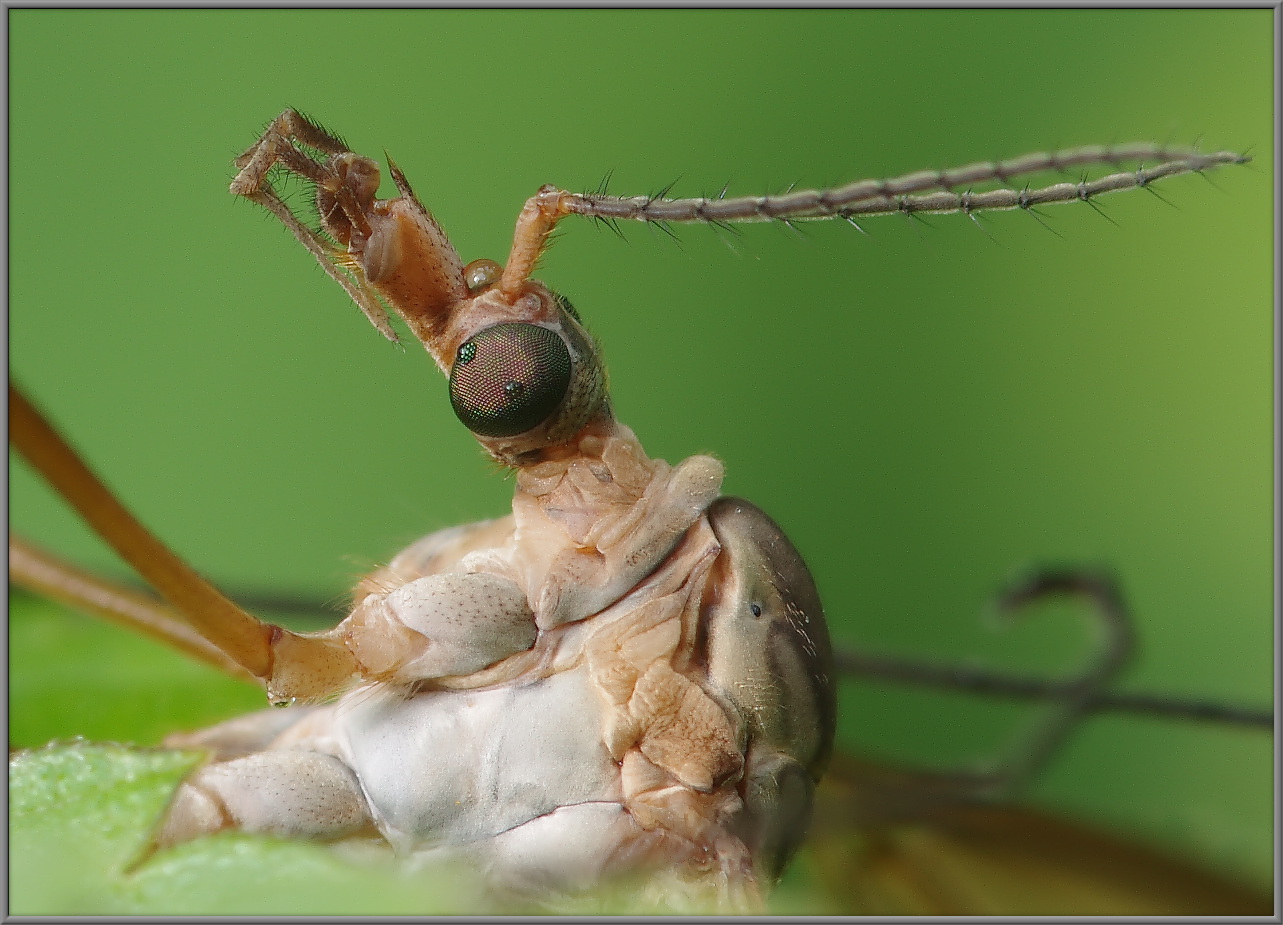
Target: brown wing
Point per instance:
(894, 843)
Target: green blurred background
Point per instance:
(923, 408)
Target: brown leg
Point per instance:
(345, 184)
(36, 570)
(292, 666)
(276, 143)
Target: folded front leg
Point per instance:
(439, 626)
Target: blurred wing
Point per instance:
(894, 843)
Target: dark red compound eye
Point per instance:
(509, 378)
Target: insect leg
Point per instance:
(37, 570)
(292, 666)
(277, 139)
(1115, 647)
(292, 793)
(344, 195)
(328, 256)
(968, 680)
(380, 251)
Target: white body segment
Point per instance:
(457, 767)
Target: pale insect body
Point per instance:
(629, 675)
(659, 655)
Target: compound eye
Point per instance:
(509, 378)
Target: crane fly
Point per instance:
(628, 679)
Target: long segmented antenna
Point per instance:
(924, 192)
(910, 193)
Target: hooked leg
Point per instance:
(277, 144)
(345, 185)
(1073, 698)
(1115, 643)
(376, 249)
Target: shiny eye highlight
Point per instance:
(509, 378)
(481, 274)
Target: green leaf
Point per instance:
(81, 816)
